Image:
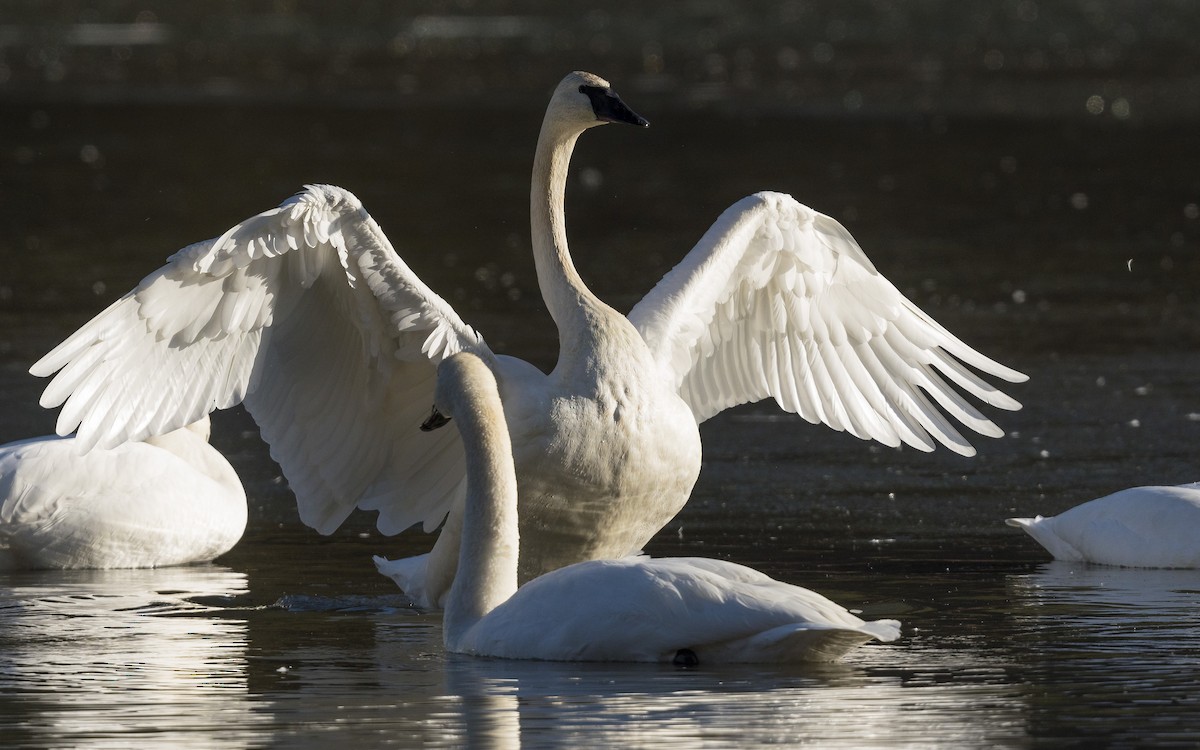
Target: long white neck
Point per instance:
(487, 560)
(567, 297)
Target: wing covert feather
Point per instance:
(778, 300)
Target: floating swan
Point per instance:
(171, 500)
(307, 315)
(1142, 527)
(692, 610)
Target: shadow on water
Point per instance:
(1024, 172)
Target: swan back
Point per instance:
(487, 567)
(1141, 527)
(190, 444)
(141, 504)
(649, 610)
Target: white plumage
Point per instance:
(1142, 527)
(778, 300)
(307, 315)
(171, 500)
(628, 609)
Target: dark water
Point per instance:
(1025, 172)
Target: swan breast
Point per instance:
(602, 462)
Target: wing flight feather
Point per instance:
(778, 300)
(307, 315)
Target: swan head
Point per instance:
(587, 100)
(435, 420)
(461, 376)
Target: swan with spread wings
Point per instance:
(307, 315)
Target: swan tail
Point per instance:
(409, 574)
(884, 631)
(800, 641)
(1042, 531)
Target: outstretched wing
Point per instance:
(305, 313)
(779, 300)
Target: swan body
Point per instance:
(629, 609)
(171, 500)
(1142, 527)
(307, 315)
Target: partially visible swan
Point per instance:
(171, 500)
(307, 315)
(1142, 527)
(693, 610)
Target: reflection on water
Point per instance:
(1124, 639)
(1150, 616)
(130, 658)
(191, 656)
(394, 680)
(1118, 608)
(852, 705)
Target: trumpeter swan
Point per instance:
(307, 315)
(171, 500)
(1142, 527)
(630, 609)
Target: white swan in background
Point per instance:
(1142, 527)
(171, 500)
(690, 610)
(307, 315)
